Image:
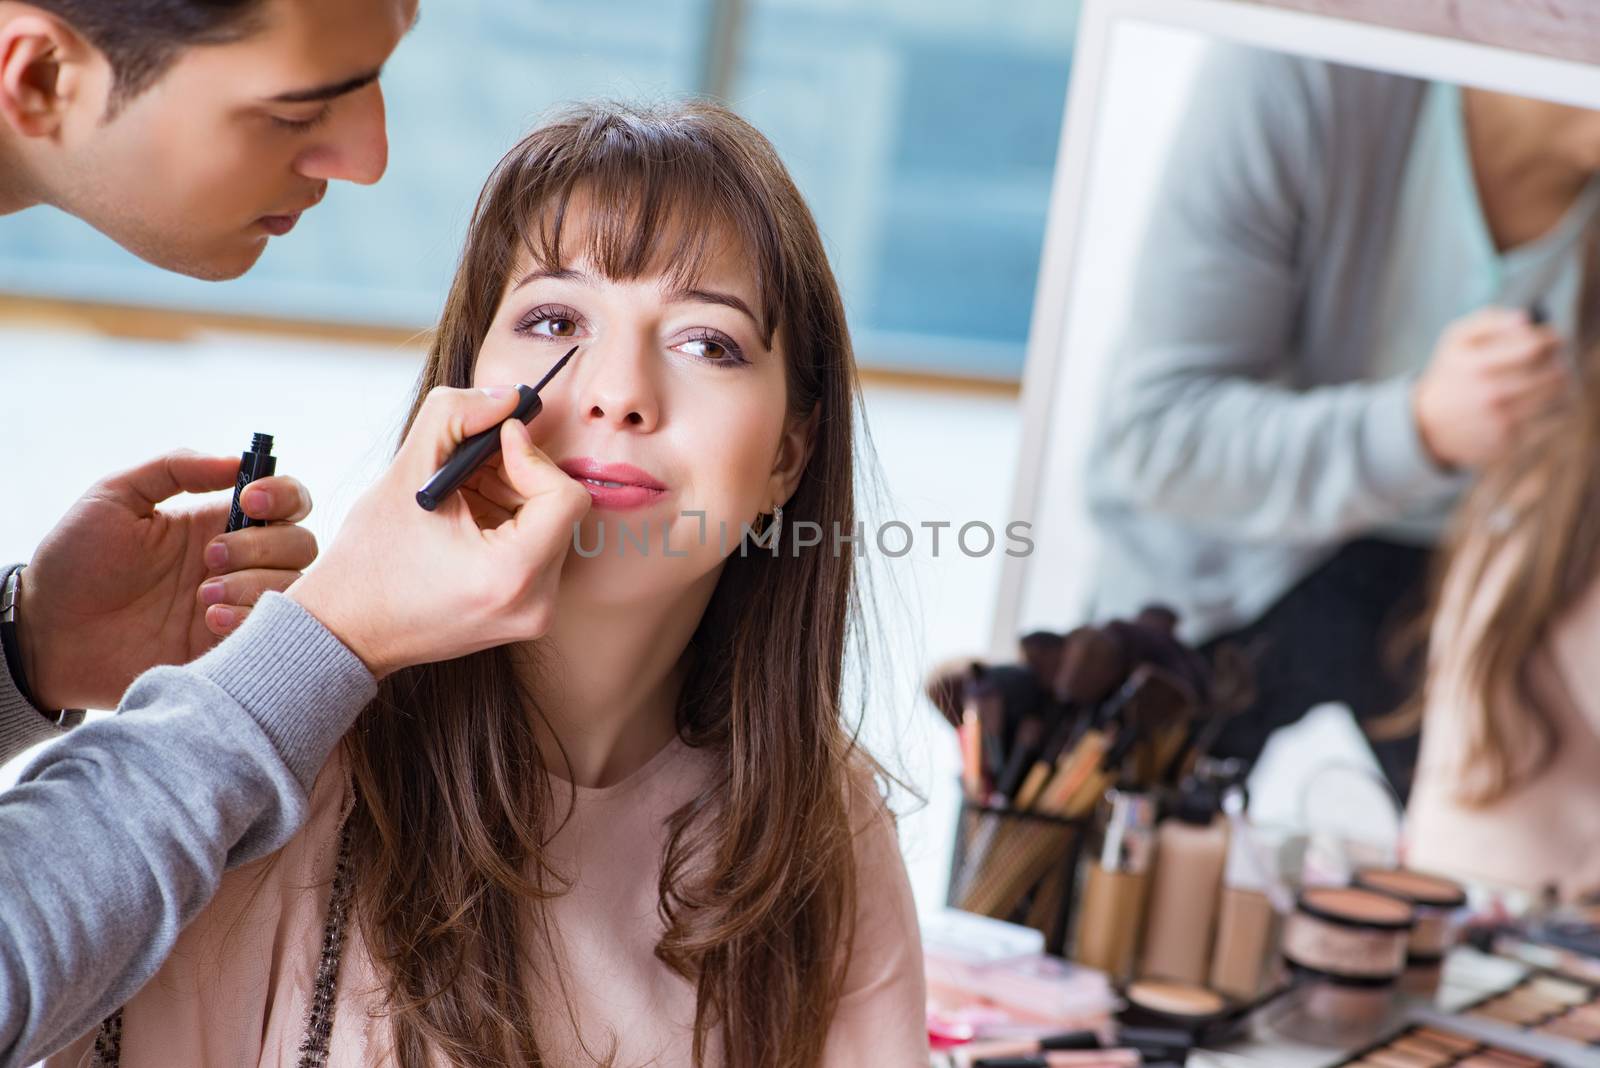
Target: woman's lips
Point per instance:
(278, 225)
(618, 487)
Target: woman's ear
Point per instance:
(794, 452)
(44, 65)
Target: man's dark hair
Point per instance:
(141, 38)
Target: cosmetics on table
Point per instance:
(1540, 1015)
(1191, 850)
(1163, 1018)
(1347, 948)
(1247, 922)
(1563, 939)
(1519, 943)
(1158, 1002)
(995, 974)
(1436, 901)
(1438, 1047)
(1073, 1048)
(1103, 1058)
(1111, 914)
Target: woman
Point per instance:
(1507, 791)
(647, 838)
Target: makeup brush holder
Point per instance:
(1018, 866)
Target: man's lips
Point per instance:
(278, 225)
(618, 486)
(282, 222)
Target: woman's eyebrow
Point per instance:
(711, 296)
(560, 274)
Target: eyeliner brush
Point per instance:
(471, 453)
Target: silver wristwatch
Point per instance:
(9, 599)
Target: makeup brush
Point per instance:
(1041, 652)
(1093, 664)
(1067, 730)
(984, 699)
(1024, 750)
(1159, 644)
(1022, 695)
(946, 688)
(474, 451)
(1159, 619)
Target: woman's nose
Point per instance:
(618, 387)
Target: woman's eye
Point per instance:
(551, 323)
(712, 350)
(707, 349)
(556, 327)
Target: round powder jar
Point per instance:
(1349, 933)
(1435, 901)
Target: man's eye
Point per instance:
(300, 124)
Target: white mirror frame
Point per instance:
(1048, 375)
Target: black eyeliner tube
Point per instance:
(257, 463)
(471, 453)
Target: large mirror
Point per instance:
(1306, 286)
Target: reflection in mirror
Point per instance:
(1329, 336)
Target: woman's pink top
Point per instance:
(1547, 830)
(236, 990)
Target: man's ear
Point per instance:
(44, 65)
(794, 452)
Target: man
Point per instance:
(192, 132)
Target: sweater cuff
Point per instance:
(1397, 462)
(302, 685)
(21, 725)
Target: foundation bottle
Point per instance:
(1191, 850)
(1112, 912)
(1247, 924)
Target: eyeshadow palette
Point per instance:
(1434, 1047)
(1542, 1014)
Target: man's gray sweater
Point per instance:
(119, 831)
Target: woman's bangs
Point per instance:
(635, 204)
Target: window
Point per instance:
(922, 131)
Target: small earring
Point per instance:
(777, 523)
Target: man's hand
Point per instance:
(1492, 373)
(119, 586)
(401, 586)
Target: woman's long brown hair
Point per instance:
(757, 890)
(1533, 518)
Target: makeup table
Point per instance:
(1468, 976)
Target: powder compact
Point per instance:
(1206, 1017)
(1175, 1003)
(1436, 901)
(1347, 949)
(1349, 933)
